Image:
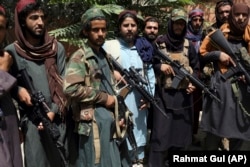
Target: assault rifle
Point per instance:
(39, 114)
(124, 113)
(220, 41)
(136, 81)
(182, 73)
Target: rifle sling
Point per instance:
(96, 138)
(236, 92)
(120, 133)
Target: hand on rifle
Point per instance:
(226, 60)
(110, 103)
(51, 116)
(242, 78)
(144, 104)
(122, 123)
(167, 69)
(118, 77)
(190, 88)
(24, 96)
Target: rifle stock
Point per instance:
(221, 42)
(182, 72)
(131, 77)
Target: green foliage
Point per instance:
(169, 2)
(64, 15)
(84, 1)
(70, 33)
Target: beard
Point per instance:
(224, 20)
(150, 37)
(36, 35)
(99, 42)
(129, 39)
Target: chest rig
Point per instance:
(182, 58)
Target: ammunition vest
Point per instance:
(182, 58)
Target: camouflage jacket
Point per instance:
(81, 82)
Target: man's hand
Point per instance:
(190, 88)
(110, 103)
(167, 69)
(118, 77)
(226, 60)
(24, 96)
(144, 104)
(51, 116)
(122, 123)
(5, 61)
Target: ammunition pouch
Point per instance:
(86, 112)
(207, 72)
(83, 116)
(245, 58)
(208, 69)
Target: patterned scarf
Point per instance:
(172, 41)
(47, 53)
(194, 37)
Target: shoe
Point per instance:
(137, 165)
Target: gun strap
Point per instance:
(96, 138)
(236, 91)
(120, 133)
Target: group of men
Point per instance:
(74, 113)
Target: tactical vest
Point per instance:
(182, 58)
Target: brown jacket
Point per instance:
(207, 45)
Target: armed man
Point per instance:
(230, 118)
(175, 132)
(89, 85)
(134, 51)
(43, 57)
